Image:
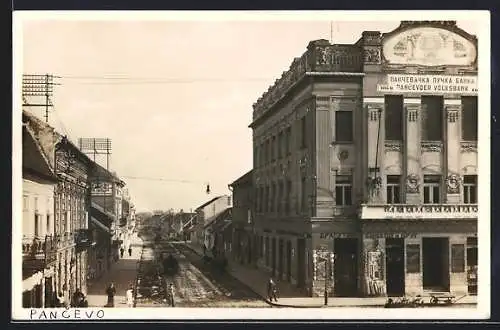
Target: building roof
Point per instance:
(34, 160)
(220, 219)
(209, 202)
(244, 179)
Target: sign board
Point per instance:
(429, 84)
(441, 211)
(429, 46)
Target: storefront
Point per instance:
(406, 254)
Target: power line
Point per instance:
(127, 80)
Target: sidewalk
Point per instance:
(289, 296)
(122, 274)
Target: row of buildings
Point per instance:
(365, 168)
(75, 216)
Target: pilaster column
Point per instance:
(413, 155)
(375, 149)
(453, 151)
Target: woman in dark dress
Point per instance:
(111, 291)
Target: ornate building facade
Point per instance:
(365, 165)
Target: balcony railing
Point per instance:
(41, 250)
(64, 240)
(83, 238)
(421, 211)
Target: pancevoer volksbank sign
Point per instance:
(429, 84)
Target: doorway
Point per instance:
(273, 255)
(301, 265)
(280, 258)
(288, 261)
(472, 265)
(436, 264)
(346, 267)
(395, 266)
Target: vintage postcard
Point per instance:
(251, 165)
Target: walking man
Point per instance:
(171, 294)
(130, 250)
(111, 291)
(271, 290)
(122, 250)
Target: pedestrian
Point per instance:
(111, 291)
(130, 251)
(272, 290)
(60, 300)
(77, 299)
(122, 250)
(130, 296)
(171, 294)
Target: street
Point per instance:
(196, 283)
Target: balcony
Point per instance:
(64, 240)
(38, 252)
(421, 211)
(83, 239)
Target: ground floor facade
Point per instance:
(39, 289)
(349, 258)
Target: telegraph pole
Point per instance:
(37, 86)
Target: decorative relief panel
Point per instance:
(432, 147)
(468, 147)
(372, 55)
(392, 146)
(374, 112)
(412, 184)
(453, 184)
(429, 46)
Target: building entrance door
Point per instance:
(436, 264)
(472, 265)
(288, 261)
(280, 258)
(301, 264)
(395, 265)
(346, 267)
(273, 255)
(49, 293)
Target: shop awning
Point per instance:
(30, 282)
(100, 225)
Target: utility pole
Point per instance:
(36, 86)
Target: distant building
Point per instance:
(244, 240)
(365, 165)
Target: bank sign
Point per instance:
(429, 84)
(444, 211)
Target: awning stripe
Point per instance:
(30, 282)
(99, 224)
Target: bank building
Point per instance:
(365, 165)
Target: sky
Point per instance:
(174, 96)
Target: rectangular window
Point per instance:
(273, 198)
(457, 258)
(280, 197)
(287, 198)
(303, 132)
(262, 158)
(26, 203)
(393, 117)
(343, 126)
(393, 189)
(432, 189)
(37, 225)
(48, 229)
(36, 204)
(288, 135)
(413, 258)
(268, 151)
(303, 197)
(469, 118)
(343, 190)
(470, 189)
(273, 148)
(432, 118)
(280, 145)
